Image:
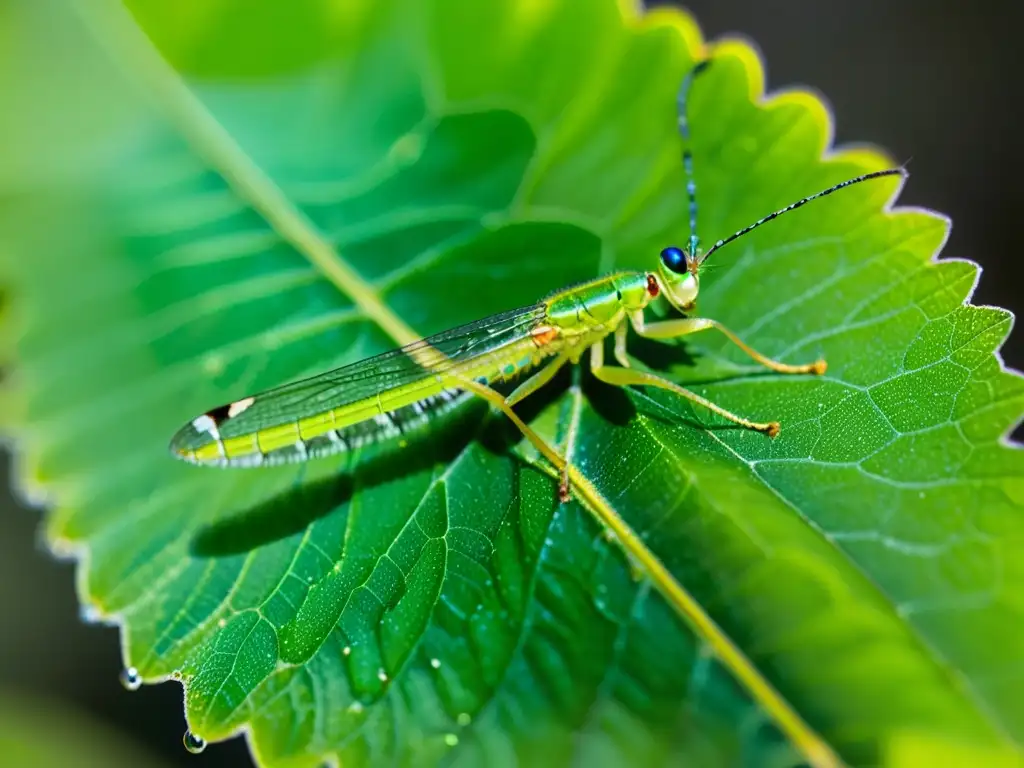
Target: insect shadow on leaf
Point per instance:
(292, 511)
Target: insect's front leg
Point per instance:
(670, 329)
(620, 344)
(624, 377)
(537, 380)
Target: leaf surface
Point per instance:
(460, 159)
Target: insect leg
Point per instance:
(537, 380)
(543, 448)
(570, 439)
(527, 388)
(668, 329)
(620, 345)
(624, 377)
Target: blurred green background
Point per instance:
(929, 81)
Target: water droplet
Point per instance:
(194, 744)
(451, 739)
(463, 719)
(355, 707)
(90, 614)
(346, 650)
(435, 663)
(131, 679)
(382, 675)
(222, 623)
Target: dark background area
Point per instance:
(929, 80)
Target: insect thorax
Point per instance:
(602, 302)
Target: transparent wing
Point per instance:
(375, 376)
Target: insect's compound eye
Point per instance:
(674, 259)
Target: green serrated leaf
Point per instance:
(424, 163)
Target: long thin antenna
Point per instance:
(684, 129)
(793, 206)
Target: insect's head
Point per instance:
(678, 268)
(678, 272)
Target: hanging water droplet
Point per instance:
(451, 739)
(90, 614)
(435, 663)
(355, 707)
(131, 679)
(463, 719)
(346, 650)
(382, 675)
(193, 743)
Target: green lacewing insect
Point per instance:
(384, 397)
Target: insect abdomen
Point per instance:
(315, 436)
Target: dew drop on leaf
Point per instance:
(194, 744)
(131, 679)
(89, 614)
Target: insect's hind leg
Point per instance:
(496, 399)
(670, 329)
(527, 388)
(624, 377)
(524, 390)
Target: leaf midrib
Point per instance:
(953, 675)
